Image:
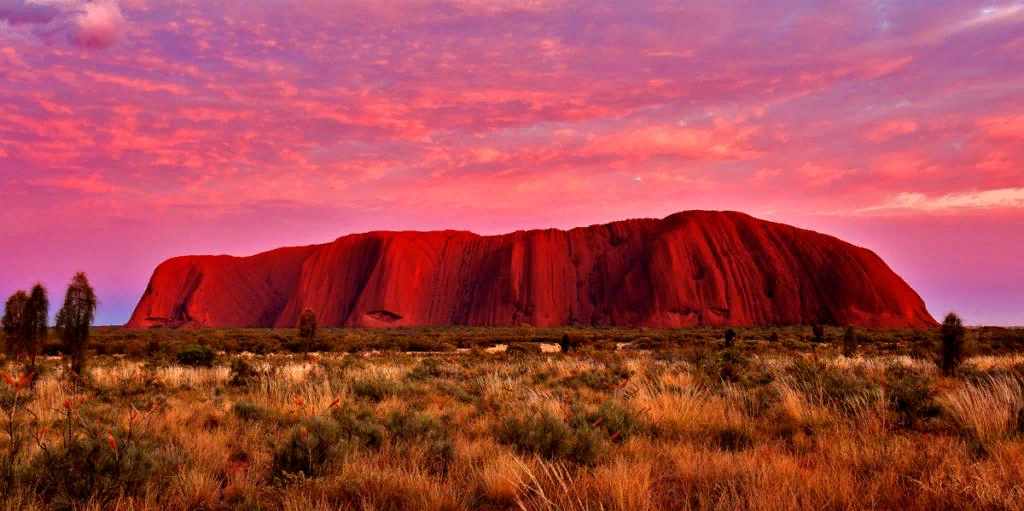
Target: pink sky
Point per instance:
(136, 131)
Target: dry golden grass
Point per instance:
(789, 433)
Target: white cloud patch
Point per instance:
(94, 24)
(987, 199)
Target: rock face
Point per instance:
(692, 268)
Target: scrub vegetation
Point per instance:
(518, 418)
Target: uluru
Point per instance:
(691, 268)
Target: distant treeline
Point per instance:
(139, 343)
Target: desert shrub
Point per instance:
(426, 344)
(850, 342)
(728, 365)
(571, 342)
(953, 349)
(258, 345)
(551, 437)
(376, 390)
(646, 343)
(96, 467)
(250, 412)
(730, 338)
(358, 425)
(427, 432)
(307, 329)
(818, 331)
(427, 369)
(310, 448)
(835, 387)
(730, 437)
(616, 420)
(524, 348)
(774, 338)
(606, 345)
(911, 397)
(196, 355)
(598, 379)
(242, 373)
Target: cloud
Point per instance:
(890, 129)
(93, 24)
(987, 199)
(99, 24)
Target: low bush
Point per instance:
(249, 412)
(599, 379)
(310, 448)
(375, 390)
(728, 365)
(613, 418)
(911, 397)
(97, 468)
(359, 425)
(732, 438)
(524, 348)
(427, 369)
(242, 373)
(836, 388)
(196, 355)
(431, 434)
(551, 437)
(571, 342)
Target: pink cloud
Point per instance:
(495, 115)
(93, 24)
(98, 24)
(890, 129)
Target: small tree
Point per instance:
(307, 328)
(730, 338)
(954, 344)
(819, 333)
(74, 320)
(14, 322)
(37, 322)
(850, 342)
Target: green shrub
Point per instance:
(819, 333)
(953, 349)
(571, 342)
(310, 449)
(599, 379)
(97, 468)
(242, 373)
(911, 397)
(426, 344)
(524, 348)
(249, 412)
(836, 388)
(359, 426)
(427, 369)
(551, 437)
(427, 432)
(850, 342)
(375, 390)
(616, 420)
(196, 355)
(728, 365)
